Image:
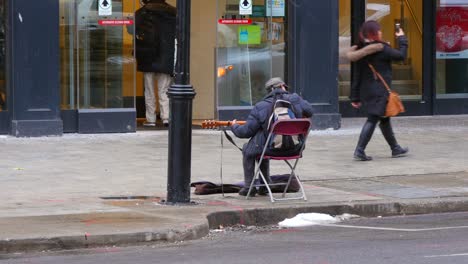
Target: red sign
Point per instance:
(452, 32)
(235, 21)
(115, 22)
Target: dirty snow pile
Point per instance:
(310, 219)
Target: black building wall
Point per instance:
(33, 67)
(313, 57)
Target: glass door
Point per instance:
(97, 66)
(344, 42)
(106, 67)
(97, 62)
(250, 50)
(408, 74)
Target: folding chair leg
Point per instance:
(291, 175)
(257, 175)
(257, 172)
(287, 185)
(301, 187)
(250, 188)
(265, 182)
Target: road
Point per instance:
(437, 238)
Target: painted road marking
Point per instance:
(451, 255)
(396, 229)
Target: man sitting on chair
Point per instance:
(256, 128)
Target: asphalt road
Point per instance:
(438, 238)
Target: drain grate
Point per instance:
(130, 197)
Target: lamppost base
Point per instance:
(164, 202)
(180, 143)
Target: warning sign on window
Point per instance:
(245, 7)
(235, 21)
(115, 22)
(105, 7)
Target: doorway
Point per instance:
(98, 69)
(408, 75)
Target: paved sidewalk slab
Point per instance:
(53, 188)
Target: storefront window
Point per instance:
(67, 54)
(452, 49)
(407, 75)
(344, 66)
(97, 63)
(3, 92)
(250, 49)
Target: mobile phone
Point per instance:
(397, 27)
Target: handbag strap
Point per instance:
(376, 73)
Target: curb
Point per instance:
(250, 217)
(269, 216)
(80, 242)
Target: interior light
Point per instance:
(221, 71)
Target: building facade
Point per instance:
(68, 66)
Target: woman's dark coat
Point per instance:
(155, 25)
(366, 87)
(256, 127)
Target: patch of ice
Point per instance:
(310, 219)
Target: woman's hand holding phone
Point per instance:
(398, 30)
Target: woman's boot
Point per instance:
(364, 138)
(387, 132)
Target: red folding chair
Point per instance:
(291, 127)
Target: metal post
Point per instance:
(181, 95)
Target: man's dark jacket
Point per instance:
(256, 127)
(155, 25)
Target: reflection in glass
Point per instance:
(67, 54)
(407, 75)
(98, 68)
(248, 54)
(344, 66)
(3, 94)
(452, 50)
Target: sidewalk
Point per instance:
(66, 192)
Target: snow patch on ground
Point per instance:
(310, 219)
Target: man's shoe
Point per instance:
(398, 151)
(360, 155)
(149, 124)
(262, 190)
(244, 191)
(165, 123)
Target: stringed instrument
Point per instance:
(211, 124)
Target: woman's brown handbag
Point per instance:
(394, 104)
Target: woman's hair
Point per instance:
(369, 30)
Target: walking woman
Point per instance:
(368, 91)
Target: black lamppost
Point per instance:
(181, 95)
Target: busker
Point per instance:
(368, 91)
(256, 128)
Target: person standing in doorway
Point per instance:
(368, 91)
(155, 24)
